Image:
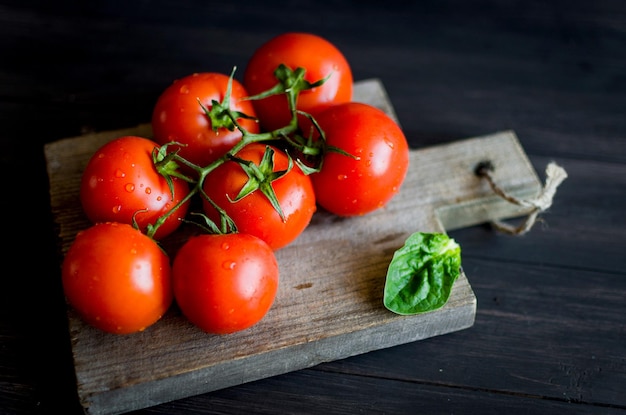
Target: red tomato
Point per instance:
(116, 278)
(225, 283)
(178, 116)
(357, 185)
(254, 214)
(317, 55)
(120, 180)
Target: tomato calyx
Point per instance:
(165, 162)
(290, 82)
(220, 114)
(227, 225)
(313, 147)
(261, 176)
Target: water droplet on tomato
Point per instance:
(93, 181)
(148, 190)
(229, 265)
(117, 209)
(159, 198)
(184, 89)
(390, 143)
(129, 187)
(225, 246)
(119, 173)
(133, 251)
(101, 155)
(342, 177)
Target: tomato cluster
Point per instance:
(261, 156)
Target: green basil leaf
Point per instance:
(421, 273)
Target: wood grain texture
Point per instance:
(329, 304)
(314, 392)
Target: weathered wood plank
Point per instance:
(329, 304)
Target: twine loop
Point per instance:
(555, 175)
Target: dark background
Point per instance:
(550, 333)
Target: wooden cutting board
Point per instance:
(329, 304)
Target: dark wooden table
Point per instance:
(550, 329)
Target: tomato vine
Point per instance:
(167, 162)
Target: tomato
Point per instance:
(375, 168)
(225, 283)
(178, 116)
(254, 214)
(120, 182)
(116, 278)
(319, 57)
